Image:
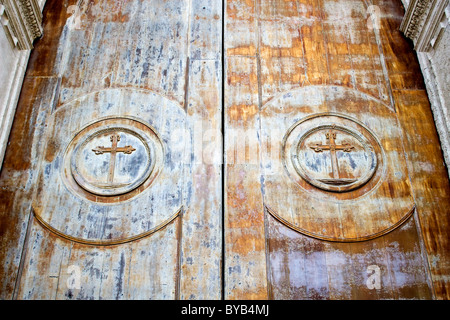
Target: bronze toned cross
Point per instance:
(115, 138)
(333, 147)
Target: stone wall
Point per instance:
(427, 23)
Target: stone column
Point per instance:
(427, 24)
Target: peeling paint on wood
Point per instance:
(124, 66)
(290, 60)
(128, 65)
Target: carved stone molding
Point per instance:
(22, 22)
(414, 17)
(424, 22)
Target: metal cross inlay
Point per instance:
(115, 138)
(333, 147)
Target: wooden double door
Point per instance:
(240, 149)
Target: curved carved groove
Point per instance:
(66, 103)
(363, 94)
(365, 137)
(345, 240)
(105, 242)
(76, 183)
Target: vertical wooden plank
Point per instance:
(152, 47)
(408, 271)
(298, 269)
(19, 174)
(201, 238)
(280, 46)
(40, 277)
(401, 63)
(20, 166)
(205, 30)
(429, 177)
(245, 261)
(43, 61)
(430, 183)
(244, 220)
(354, 59)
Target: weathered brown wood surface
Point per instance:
(153, 67)
(290, 60)
(317, 71)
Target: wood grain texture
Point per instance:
(305, 268)
(286, 61)
(430, 183)
(158, 62)
(425, 162)
(368, 211)
(245, 269)
(124, 272)
(299, 57)
(18, 175)
(201, 248)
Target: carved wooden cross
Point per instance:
(115, 138)
(333, 147)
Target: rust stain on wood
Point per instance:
(121, 52)
(286, 60)
(301, 44)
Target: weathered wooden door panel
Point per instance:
(58, 269)
(322, 195)
(334, 182)
(111, 203)
(302, 267)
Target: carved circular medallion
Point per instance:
(113, 160)
(335, 158)
(333, 153)
(341, 174)
(111, 157)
